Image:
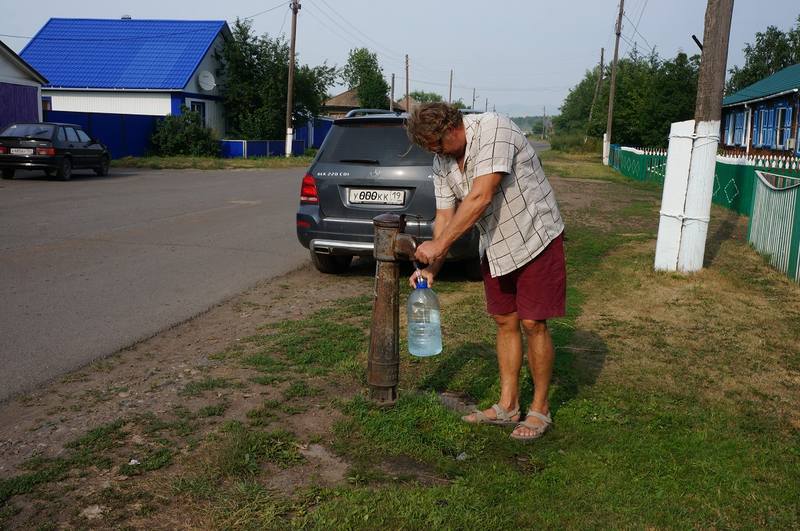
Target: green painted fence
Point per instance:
(774, 229)
(766, 189)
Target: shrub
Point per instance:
(184, 134)
(573, 142)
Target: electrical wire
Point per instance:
(636, 31)
(285, 15)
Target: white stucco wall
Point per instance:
(148, 103)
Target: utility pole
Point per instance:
(290, 92)
(692, 156)
(596, 91)
(607, 136)
(486, 105)
(450, 94)
(473, 100)
(391, 98)
(408, 96)
(544, 120)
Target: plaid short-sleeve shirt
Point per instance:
(523, 217)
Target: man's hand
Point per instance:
(424, 273)
(430, 251)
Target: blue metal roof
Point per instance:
(780, 81)
(121, 53)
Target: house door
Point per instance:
(200, 108)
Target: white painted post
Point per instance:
(289, 136)
(698, 197)
(673, 200)
(606, 148)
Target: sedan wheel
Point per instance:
(331, 263)
(65, 169)
(102, 170)
(8, 174)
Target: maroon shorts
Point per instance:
(537, 291)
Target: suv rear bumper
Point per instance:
(342, 236)
(341, 247)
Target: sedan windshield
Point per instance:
(29, 130)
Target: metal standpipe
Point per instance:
(383, 365)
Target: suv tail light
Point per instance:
(3, 150)
(49, 151)
(308, 191)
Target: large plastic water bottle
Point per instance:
(424, 326)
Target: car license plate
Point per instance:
(376, 197)
(21, 151)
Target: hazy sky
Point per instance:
(521, 55)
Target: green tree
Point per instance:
(363, 72)
(773, 50)
(459, 104)
(651, 94)
(425, 97)
(254, 77)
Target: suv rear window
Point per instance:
(31, 130)
(383, 144)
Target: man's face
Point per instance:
(451, 143)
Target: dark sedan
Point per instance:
(53, 147)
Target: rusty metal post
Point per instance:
(383, 365)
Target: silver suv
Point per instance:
(365, 167)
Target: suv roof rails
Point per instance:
(365, 112)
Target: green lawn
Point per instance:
(675, 403)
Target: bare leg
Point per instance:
(541, 356)
(509, 361)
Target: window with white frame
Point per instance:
(758, 116)
(738, 128)
(729, 120)
(783, 127)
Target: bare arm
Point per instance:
(443, 218)
(466, 215)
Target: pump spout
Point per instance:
(405, 246)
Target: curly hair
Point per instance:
(429, 121)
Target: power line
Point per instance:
(361, 39)
(280, 32)
(376, 43)
(636, 31)
(265, 11)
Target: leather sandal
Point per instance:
(537, 429)
(504, 418)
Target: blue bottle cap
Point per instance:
(422, 283)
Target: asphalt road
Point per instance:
(92, 265)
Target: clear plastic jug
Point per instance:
(424, 326)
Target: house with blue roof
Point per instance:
(762, 119)
(128, 67)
